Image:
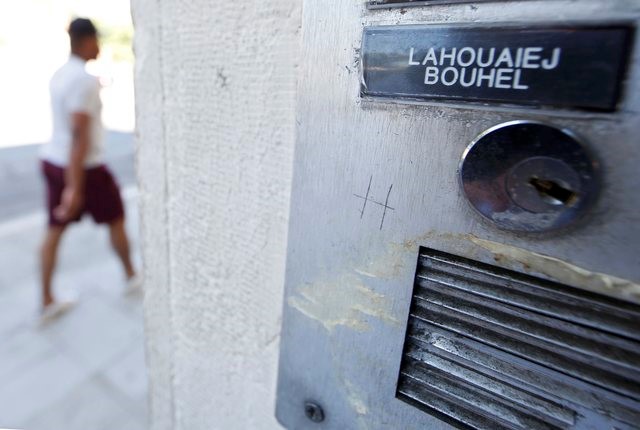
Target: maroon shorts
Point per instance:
(101, 194)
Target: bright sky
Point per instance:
(33, 44)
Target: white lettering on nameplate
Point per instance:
(483, 67)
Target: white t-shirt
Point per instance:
(74, 90)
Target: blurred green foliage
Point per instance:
(118, 40)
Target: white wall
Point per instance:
(215, 84)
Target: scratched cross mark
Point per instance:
(368, 198)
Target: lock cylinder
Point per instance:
(531, 177)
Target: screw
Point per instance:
(314, 412)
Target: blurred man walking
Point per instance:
(77, 180)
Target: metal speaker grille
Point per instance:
(488, 348)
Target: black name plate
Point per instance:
(570, 67)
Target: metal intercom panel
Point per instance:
(464, 229)
(377, 4)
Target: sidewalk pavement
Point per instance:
(85, 371)
(21, 165)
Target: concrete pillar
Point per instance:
(215, 89)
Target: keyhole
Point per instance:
(554, 192)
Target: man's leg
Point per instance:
(120, 244)
(48, 256)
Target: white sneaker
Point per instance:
(55, 310)
(134, 286)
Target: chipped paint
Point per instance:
(561, 270)
(353, 393)
(354, 397)
(532, 262)
(390, 265)
(344, 302)
(365, 273)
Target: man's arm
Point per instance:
(72, 196)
